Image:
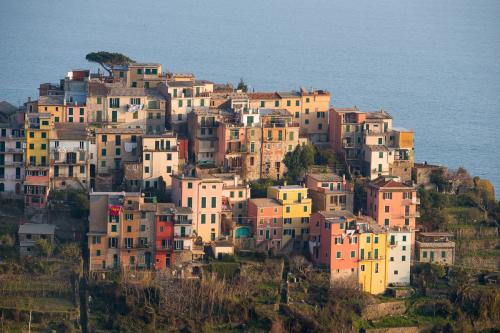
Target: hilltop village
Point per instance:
(176, 172)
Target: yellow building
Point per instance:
(37, 129)
(296, 210)
(53, 104)
(309, 109)
(372, 259)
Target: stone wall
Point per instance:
(376, 311)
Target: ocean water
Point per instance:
(433, 65)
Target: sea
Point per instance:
(434, 65)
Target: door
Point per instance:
(267, 234)
(183, 231)
(70, 171)
(293, 233)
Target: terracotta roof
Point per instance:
(69, 131)
(118, 131)
(98, 89)
(336, 214)
(263, 95)
(386, 182)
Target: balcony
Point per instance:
(184, 222)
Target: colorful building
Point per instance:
(372, 258)
(266, 216)
(36, 184)
(296, 207)
(435, 248)
(204, 196)
(329, 192)
(392, 203)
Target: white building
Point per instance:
(160, 158)
(69, 148)
(399, 256)
(12, 150)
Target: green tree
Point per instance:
(298, 162)
(108, 60)
(326, 157)
(242, 85)
(80, 204)
(482, 196)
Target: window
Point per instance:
(362, 254)
(43, 146)
(376, 268)
(387, 209)
(129, 217)
(305, 209)
(376, 239)
(98, 253)
(104, 138)
(387, 195)
(353, 254)
(147, 157)
(443, 254)
(288, 209)
(190, 202)
(203, 219)
(362, 268)
(113, 228)
(339, 255)
(307, 111)
(180, 103)
(262, 104)
(103, 151)
(404, 238)
(424, 254)
(146, 170)
(396, 272)
(96, 239)
(114, 102)
(190, 185)
(386, 222)
(391, 259)
(214, 202)
(380, 154)
(129, 228)
(118, 152)
(368, 239)
(99, 100)
(403, 258)
(203, 202)
(212, 219)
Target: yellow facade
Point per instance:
(372, 262)
(296, 209)
(57, 112)
(405, 139)
(37, 141)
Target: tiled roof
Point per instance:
(386, 182)
(263, 95)
(265, 202)
(326, 177)
(118, 131)
(69, 131)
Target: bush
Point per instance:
(435, 307)
(225, 270)
(7, 241)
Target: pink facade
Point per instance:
(267, 219)
(76, 113)
(36, 188)
(231, 143)
(334, 242)
(204, 197)
(392, 203)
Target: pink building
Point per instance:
(204, 197)
(231, 146)
(334, 243)
(392, 203)
(266, 216)
(76, 113)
